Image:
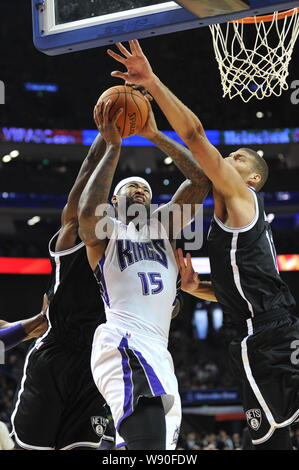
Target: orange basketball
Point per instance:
(135, 109)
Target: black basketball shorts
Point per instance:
(58, 405)
(266, 361)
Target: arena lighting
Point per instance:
(168, 161)
(166, 182)
(25, 266)
(148, 171)
(43, 265)
(34, 220)
(270, 217)
(14, 153)
(260, 153)
(259, 114)
(37, 87)
(6, 158)
(243, 137)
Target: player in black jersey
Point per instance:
(58, 405)
(244, 272)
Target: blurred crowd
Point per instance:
(211, 441)
(224, 441)
(10, 375)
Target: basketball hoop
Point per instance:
(256, 66)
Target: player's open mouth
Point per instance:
(139, 199)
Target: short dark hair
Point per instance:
(260, 166)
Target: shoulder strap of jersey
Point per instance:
(54, 253)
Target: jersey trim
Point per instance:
(255, 389)
(272, 249)
(121, 444)
(63, 252)
(93, 445)
(57, 273)
(253, 383)
(246, 227)
(39, 340)
(30, 447)
(235, 270)
(136, 370)
(100, 278)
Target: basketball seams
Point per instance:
(128, 101)
(135, 101)
(125, 111)
(139, 96)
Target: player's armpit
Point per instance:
(95, 254)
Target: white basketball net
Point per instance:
(260, 69)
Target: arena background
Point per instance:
(58, 93)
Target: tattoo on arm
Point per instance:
(192, 193)
(95, 153)
(181, 156)
(96, 192)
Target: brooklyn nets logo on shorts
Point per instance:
(99, 425)
(254, 418)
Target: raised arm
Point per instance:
(196, 187)
(182, 157)
(97, 189)
(69, 220)
(224, 177)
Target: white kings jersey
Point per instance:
(137, 277)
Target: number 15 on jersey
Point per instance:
(151, 283)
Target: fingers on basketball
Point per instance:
(107, 107)
(117, 115)
(97, 113)
(134, 105)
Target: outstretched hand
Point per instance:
(189, 278)
(139, 70)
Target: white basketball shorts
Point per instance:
(127, 365)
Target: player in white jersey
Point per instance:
(135, 266)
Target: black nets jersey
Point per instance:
(244, 268)
(75, 308)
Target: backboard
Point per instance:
(62, 26)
